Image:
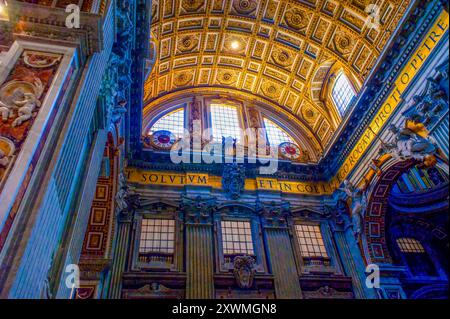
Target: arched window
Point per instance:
(173, 122)
(275, 134)
(343, 93)
(225, 122)
(415, 256)
(419, 180)
(410, 245)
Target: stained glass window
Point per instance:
(173, 122)
(157, 236)
(237, 238)
(275, 134)
(310, 241)
(343, 93)
(410, 245)
(225, 122)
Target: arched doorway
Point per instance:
(406, 227)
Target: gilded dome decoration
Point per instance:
(182, 79)
(279, 53)
(297, 19)
(192, 5)
(227, 77)
(245, 7)
(188, 43)
(282, 57)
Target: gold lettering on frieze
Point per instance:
(150, 178)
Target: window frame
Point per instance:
(329, 264)
(239, 108)
(222, 228)
(320, 242)
(343, 113)
(138, 265)
(174, 109)
(256, 232)
(427, 254)
(294, 140)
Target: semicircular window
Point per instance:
(275, 134)
(225, 122)
(343, 93)
(173, 122)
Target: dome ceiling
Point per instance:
(278, 51)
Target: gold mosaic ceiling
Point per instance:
(277, 51)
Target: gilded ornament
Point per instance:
(271, 90)
(192, 5)
(282, 57)
(187, 43)
(296, 19)
(182, 78)
(227, 77)
(342, 42)
(245, 6)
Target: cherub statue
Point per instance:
(358, 206)
(21, 101)
(4, 160)
(9, 104)
(26, 108)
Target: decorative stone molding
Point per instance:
(49, 24)
(127, 200)
(198, 210)
(244, 271)
(274, 214)
(233, 180)
(337, 215)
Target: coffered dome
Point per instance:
(285, 54)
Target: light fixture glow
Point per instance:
(235, 45)
(3, 5)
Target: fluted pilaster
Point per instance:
(283, 265)
(119, 258)
(199, 263)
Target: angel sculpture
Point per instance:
(4, 160)
(9, 105)
(358, 207)
(27, 106)
(409, 145)
(21, 101)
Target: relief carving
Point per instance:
(297, 19)
(244, 271)
(21, 96)
(245, 6)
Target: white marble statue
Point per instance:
(358, 206)
(26, 108)
(4, 160)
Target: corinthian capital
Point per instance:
(198, 210)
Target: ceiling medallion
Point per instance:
(282, 57)
(182, 78)
(227, 77)
(296, 19)
(343, 43)
(234, 44)
(309, 114)
(192, 5)
(187, 43)
(245, 6)
(271, 90)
